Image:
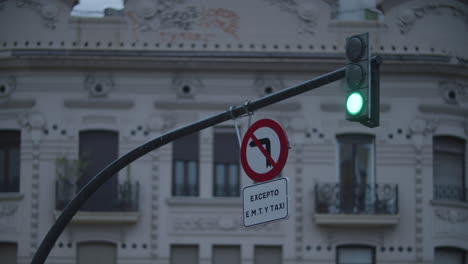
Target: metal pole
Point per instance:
(112, 169)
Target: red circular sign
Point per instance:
(264, 150)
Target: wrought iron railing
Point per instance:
(126, 198)
(448, 192)
(336, 198)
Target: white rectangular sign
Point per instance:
(265, 202)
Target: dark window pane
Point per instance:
(226, 162)
(184, 254)
(355, 255)
(98, 149)
(9, 160)
(268, 255)
(226, 146)
(449, 168)
(449, 256)
(8, 253)
(185, 161)
(186, 148)
(356, 168)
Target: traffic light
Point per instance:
(362, 82)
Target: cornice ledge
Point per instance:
(219, 201)
(450, 204)
(356, 220)
(11, 196)
(443, 109)
(98, 104)
(17, 104)
(205, 105)
(103, 217)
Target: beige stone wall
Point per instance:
(228, 52)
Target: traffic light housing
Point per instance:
(362, 82)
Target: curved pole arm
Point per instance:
(112, 169)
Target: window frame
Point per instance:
(356, 139)
(441, 149)
(453, 249)
(356, 246)
(227, 191)
(10, 141)
(186, 190)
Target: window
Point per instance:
(356, 172)
(449, 168)
(184, 254)
(226, 163)
(268, 255)
(449, 256)
(9, 160)
(96, 252)
(356, 10)
(185, 166)
(226, 255)
(98, 149)
(355, 255)
(8, 253)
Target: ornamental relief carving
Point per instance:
(453, 92)
(305, 11)
(181, 20)
(452, 216)
(408, 17)
(48, 12)
(8, 216)
(218, 224)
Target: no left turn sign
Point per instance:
(264, 150)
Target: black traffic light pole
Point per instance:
(77, 201)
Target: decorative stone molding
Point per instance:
(408, 16)
(454, 92)
(267, 84)
(167, 16)
(217, 224)
(162, 122)
(452, 216)
(8, 209)
(98, 86)
(305, 11)
(7, 86)
(48, 12)
(186, 86)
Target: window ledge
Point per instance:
(450, 204)
(356, 220)
(103, 217)
(216, 201)
(14, 196)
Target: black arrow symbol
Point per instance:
(266, 142)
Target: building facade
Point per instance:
(76, 93)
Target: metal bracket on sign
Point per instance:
(247, 113)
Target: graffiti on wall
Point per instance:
(178, 22)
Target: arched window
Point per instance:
(355, 254)
(448, 255)
(10, 160)
(449, 168)
(96, 252)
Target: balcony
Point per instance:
(370, 205)
(447, 192)
(122, 208)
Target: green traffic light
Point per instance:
(354, 103)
